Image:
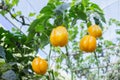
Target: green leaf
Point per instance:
(116, 22)
(5, 67)
(39, 28)
(1, 32)
(40, 21)
(56, 2)
(99, 49)
(48, 10)
(13, 29)
(108, 43)
(101, 16)
(33, 24)
(18, 12)
(15, 2)
(56, 73)
(7, 1)
(61, 8)
(118, 31)
(31, 29)
(89, 23)
(78, 12)
(85, 2)
(58, 60)
(87, 58)
(95, 7)
(31, 14)
(73, 33)
(2, 62)
(58, 66)
(30, 36)
(82, 15)
(63, 56)
(44, 40)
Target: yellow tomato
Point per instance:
(39, 65)
(88, 43)
(95, 31)
(59, 36)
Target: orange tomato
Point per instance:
(88, 43)
(59, 36)
(95, 31)
(39, 65)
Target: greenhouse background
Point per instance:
(111, 10)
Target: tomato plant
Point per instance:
(61, 31)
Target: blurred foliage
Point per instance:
(17, 50)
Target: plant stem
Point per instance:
(97, 63)
(48, 78)
(49, 55)
(51, 71)
(69, 62)
(53, 75)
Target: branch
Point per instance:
(97, 67)
(111, 47)
(23, 20)
(69, 64)
(13, 24)
(97, 63)
(5, 8)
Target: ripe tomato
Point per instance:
(88, 43)
(39, 65)
(59, 36)
(95, 31)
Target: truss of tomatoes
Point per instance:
(88, 42)
(59, 37)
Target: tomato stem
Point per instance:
(53, 75)
(69, 62)
(49, 55)
(47, 77)
(51, 71)
(97, 63)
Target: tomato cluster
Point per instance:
(88, 42)
(59, 37)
